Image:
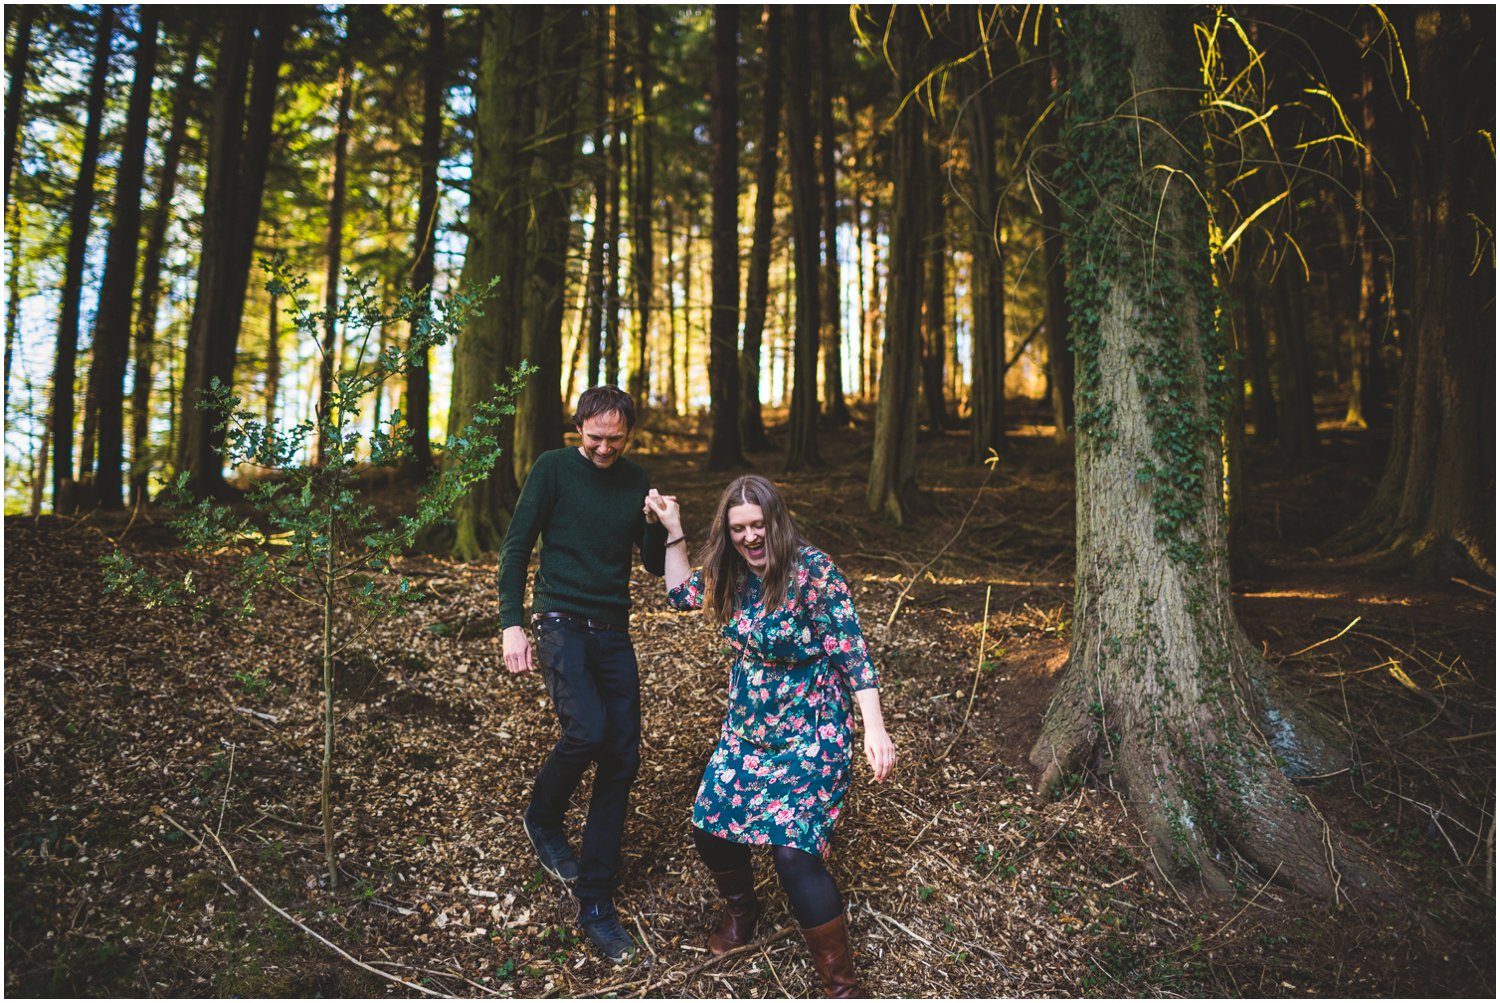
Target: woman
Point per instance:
(781, 768)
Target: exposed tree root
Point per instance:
(1215, 802)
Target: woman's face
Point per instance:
(747, 531)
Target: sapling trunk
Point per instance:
(327, 786)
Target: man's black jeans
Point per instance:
(596, 690)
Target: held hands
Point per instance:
(517, 648)
(663, 509)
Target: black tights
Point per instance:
(808, 885)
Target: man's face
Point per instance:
(604, 438)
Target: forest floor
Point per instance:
(158, 773)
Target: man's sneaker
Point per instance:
(553, 851)
(601, 925)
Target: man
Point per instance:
(587, 506)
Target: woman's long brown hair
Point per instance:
(724, 570)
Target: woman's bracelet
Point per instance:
(674, 541)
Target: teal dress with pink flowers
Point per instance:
(781, 768)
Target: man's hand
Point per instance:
(517, 648)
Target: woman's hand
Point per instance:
(663, 509)
(879, 749)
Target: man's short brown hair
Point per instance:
(601, 400)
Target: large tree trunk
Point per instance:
(757, 283)
(558, 36)
(669, 392)
(1367, 384)
(64, 491)
(1162, 690)
(1262, 398)
(892, 486)
(835, 410)
(612, 218)
(802, 421)
(333, 246)
(16, 66)
(106, 397)
(987, 291)
(642, 199)
(12, 294)
(593, 319)
(1296, 422)
(1433, 511)
(724, 319)
(935, 296)
(507, 237)
(239, 147)
(1059, 351)
(151, 268)
(423, 270)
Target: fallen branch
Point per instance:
(978, 670)
(310, 931)
(1247, 905)
(897, 924)
(993, 462)
(757, 945)
(1326, 640)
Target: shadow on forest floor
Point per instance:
(131, 736)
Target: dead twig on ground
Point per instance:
(1230, 922)
(978, 671)
(309, 930)
(1326, 640)
(993, 462)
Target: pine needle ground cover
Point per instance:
(161, 825)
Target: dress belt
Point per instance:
(537, 618)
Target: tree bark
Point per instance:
(1162, 690)
(1366, 383)
(418, 406)
(16, 66)
(1296, 423)
(13, 294)
(724, 452)
(892, 487)
(987, 290)
(612, 221)
(517, 219)
(273, 357)
(558, 36)
(151, 268)
(117, 289)
(333, 245)
(934, 296)
(642, 202)
(239, 146)
(64, 491)
(593, 331)
(835, 409)
(1433, 512)
(1262, 398)
(1059, 351)
(802, 421)
(758, 282)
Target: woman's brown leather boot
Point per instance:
(741, 909)
(834, 959)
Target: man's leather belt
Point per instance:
(537, 618)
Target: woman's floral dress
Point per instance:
(781, 768)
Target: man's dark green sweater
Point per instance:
(589, 521)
